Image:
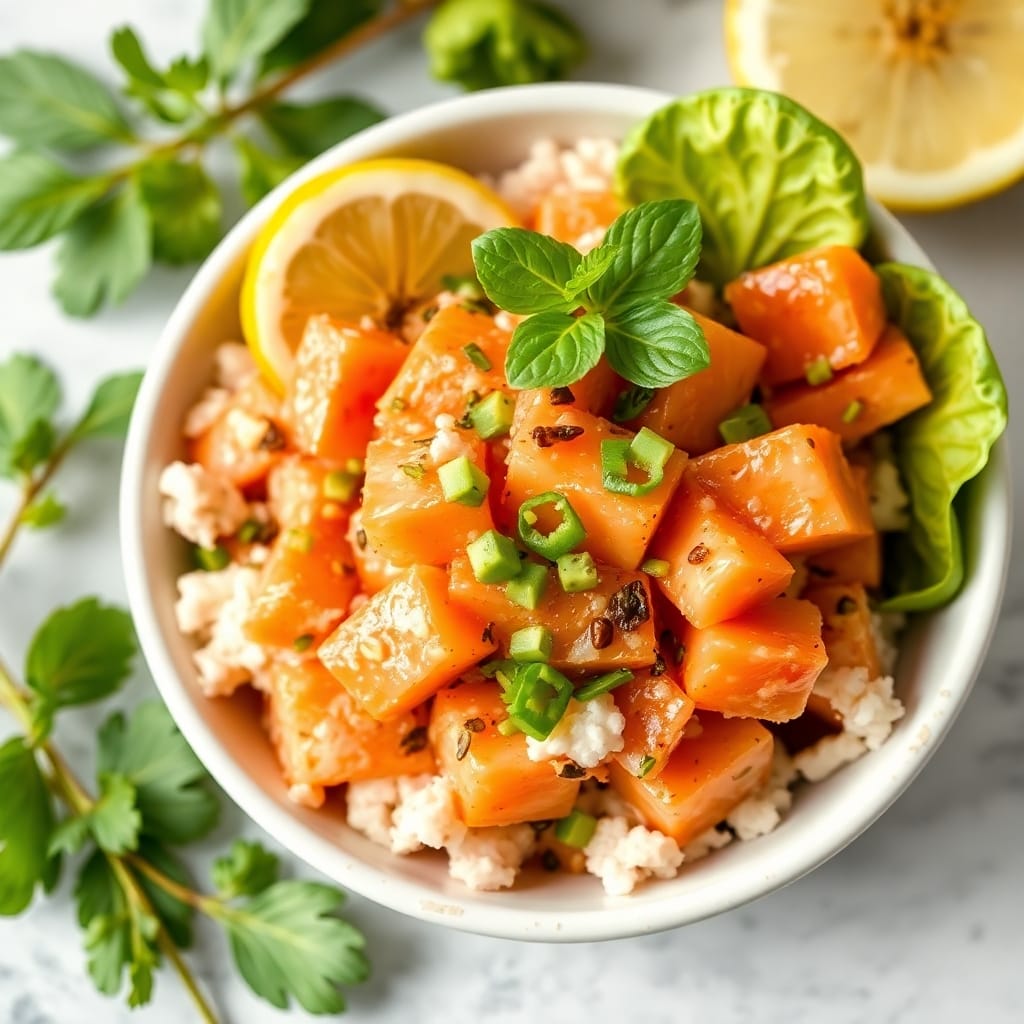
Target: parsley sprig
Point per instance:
(121, 179)
(614, 300)
(135, 900)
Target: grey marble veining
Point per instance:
(916, 921)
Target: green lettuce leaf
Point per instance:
(945, 444)
(770, 179)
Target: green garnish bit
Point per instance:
(531, 643)
(577, 572)
(527, 589)
(852, 411)
(413, 470)
(746, 423)
(648, 452)
(491, 417)
(303, 642)
(569, 532)
(576, 830)
(647, 762)
(603, 684)
(463, 483)
(622, 288)
(493, 558)
(819, 372)
(476, 355)
(212, 559)
(656, 567)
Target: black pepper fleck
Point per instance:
(628, 608)
(561, 396)
(546, 437)
(414, 740)
(698, 554)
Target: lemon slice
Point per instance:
(371, 239)
(930, 93)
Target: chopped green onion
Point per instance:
(476, 355)
(527, 589)
(341, 485)
(647, 762)
(531, 643)
(494, 558)
(602, 684)
(563, 538)
(852, 411)
(299, 540)
(577, 572)
(631, 402)
(819, 372)
(413, 470)
(647, 451)
(212, 559)
(463, 483)
(657, 567)
(747, 422)
(492, 416)
(398, 404)
(537, 699)
(492, 669)
(576, 830)
(303, 643)
(251, 531)
(508, 728)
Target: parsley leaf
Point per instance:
(287, 943)
(113, 821)
(117, 934)
(483, 43)
(26, 823)
(110, 407)
(170, 95)
(80, 654)
(554, 350)
(105, 254)
(260, 171)
(46, 100)
(39, 199)
(184, 206)
(307, 129)
(47, 510)
(247, 870)
(656, 345)
(29, 397)
(658, 245)
(325, 23)
(236, 31)
(172, 793)
(524, 272)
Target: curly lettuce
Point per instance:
(947, 443)
(770, 179)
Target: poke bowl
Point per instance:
(794, 818)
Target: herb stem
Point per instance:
(29, 492)
(180, 892)
(134, 891)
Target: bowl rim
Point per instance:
(611, 919)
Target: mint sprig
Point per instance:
(611, 301)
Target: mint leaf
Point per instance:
(236, 31)
(39, 199)
(26, 823)
(80, 654)
(260, 171)
(325, 23)
(770, 179)
(110, 408)
(185, 208)
(631, 402)
(288, 944)
(169, 96)
(309, 128)
(554, 350)
(176, 916)
(46, 510)
(171, 785)
(524, 272)
(247, 870)
(46, 100)
(104, 255)
(657, 249)
(591, 269)
(484, 43)
(29, 397)
(655, 345)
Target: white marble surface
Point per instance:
(917, 921)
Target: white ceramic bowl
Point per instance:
(941, 655)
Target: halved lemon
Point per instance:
(930, 93)
(371, 239)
